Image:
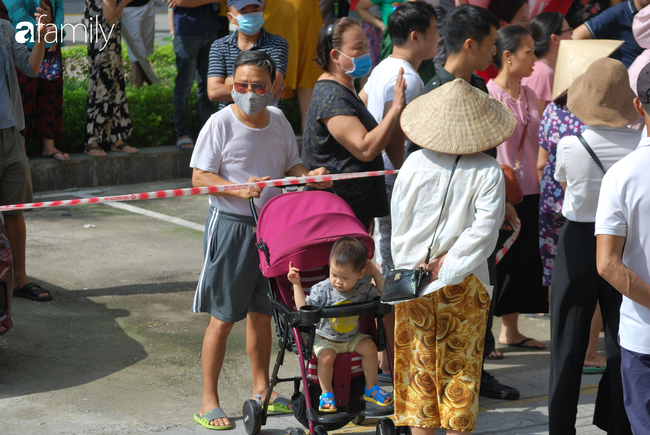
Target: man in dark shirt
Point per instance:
(195, 29)
(615, 23)
(225, 50)
(471, 35)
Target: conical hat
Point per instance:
(575, 56)
(457, 118)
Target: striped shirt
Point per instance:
(225, 50)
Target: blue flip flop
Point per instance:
(205, 419)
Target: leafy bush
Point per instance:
(150, 107)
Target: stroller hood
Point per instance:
(301, 227)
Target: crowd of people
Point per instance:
(501, 115)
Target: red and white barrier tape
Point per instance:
(199, 190)
(517, 227)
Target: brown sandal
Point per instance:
(120, 148)
(90, 148)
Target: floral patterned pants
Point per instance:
(439, 341)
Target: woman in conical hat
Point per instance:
(452, 196)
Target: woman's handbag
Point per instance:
(513, 189)
(406, 284)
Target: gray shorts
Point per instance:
(15, 175)
(231, 283)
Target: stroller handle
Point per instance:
(253, 210)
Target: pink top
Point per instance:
(541, 81)
(525, 111)
(641, 32)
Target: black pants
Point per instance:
(576, 288)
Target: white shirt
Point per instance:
(380, 86)
(472, 215)
(624, 210)
(575, 167)
(235, 152)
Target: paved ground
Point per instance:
(118, 351)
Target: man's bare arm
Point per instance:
(610, 266)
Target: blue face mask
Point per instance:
(250, 24)
(362, 65)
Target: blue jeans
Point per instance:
(192, 53)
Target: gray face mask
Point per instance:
(250, 103)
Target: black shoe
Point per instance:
(494, 389)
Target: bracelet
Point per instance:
(377, 280)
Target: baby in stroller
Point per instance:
(348, 264)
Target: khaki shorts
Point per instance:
(15, 176)
(321, 344)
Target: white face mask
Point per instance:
(250, 103)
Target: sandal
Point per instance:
(213, 414)
(58, 156)
(33, 292)
(327, 399)
(90, 148)
(280, 404)
(185, 144)
(121, 148)
(379, 397)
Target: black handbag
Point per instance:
(406, 284)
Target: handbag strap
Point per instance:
(521, 148)
(591, 153)
(453, 169)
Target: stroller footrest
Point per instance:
(337, 417)
(378, 411)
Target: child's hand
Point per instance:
(294, 274)
(371, 269)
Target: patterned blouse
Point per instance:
(557, 122)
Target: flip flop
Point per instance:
(185, 141)
(594, 370)
(204, 420)
(522, 344)
(88, 149)
(280, 404)
(494, 357)
(120, 149)
(53, 156)
(32, 291)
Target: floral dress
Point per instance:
(557, 122)
(107, 114)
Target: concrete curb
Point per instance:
(150, 164)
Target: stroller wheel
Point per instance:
(320, 430)
(359, 420)
(252, 415)
(385, 426)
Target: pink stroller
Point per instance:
(301, 227)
